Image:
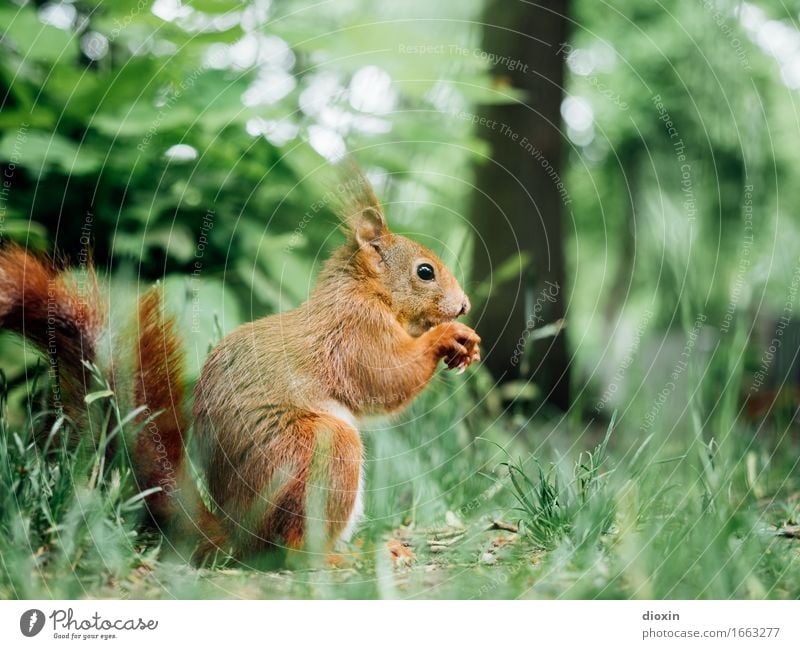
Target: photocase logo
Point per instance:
(31, 622)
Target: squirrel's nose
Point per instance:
(465, 306)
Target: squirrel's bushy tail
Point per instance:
(63, 314)
(159, 453)
(159, 386)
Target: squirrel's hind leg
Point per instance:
(308, 477)
(336, 470)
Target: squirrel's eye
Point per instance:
(425, 271)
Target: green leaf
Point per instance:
(100, 394)
(175, 240)
(31, 233)
(34, 39)
(214, 6)
(143, 121)
(39, 152)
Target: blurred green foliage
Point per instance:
(173, 134)
(691, 106)
(192, 142)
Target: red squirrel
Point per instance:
(278, 403)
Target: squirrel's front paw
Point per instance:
(457, 344)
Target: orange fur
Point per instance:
(278, 401)
(367, 341)
(158, 384)
(47, 307)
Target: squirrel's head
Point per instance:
(416, 284)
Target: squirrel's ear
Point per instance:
(368, 229)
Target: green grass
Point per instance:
(689, 508)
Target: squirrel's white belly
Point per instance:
(340, 411)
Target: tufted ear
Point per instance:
(369, 229)
(360, 212)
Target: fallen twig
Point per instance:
(502, 525)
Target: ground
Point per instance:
(463, 501)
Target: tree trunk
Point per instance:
(520, 200)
